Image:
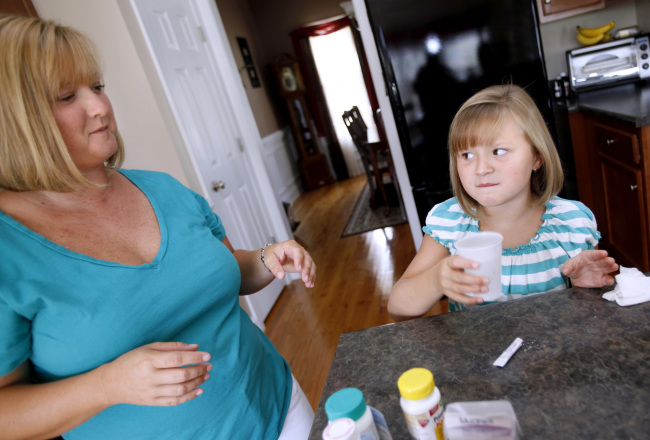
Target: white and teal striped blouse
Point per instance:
(568, 228)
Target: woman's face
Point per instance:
(85, 119)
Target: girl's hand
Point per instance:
(590, 269)
(158, 374)
(452, 280)
(289, 256)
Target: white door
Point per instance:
(197, 94)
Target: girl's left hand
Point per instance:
(289, 256)
(590, 269)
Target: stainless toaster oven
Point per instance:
(606, 64)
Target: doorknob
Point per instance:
(216, 186)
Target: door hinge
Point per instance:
(241, 145)
(202, 34)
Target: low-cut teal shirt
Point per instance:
(69, 313)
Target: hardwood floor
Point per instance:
(354, 278)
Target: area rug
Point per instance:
(364, 218)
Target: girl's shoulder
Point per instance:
(568, 210)
(450, 208)
(448, 218)
(569, 224)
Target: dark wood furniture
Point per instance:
(312, 164)
(581, 373)
(611, 143)
(375, 156)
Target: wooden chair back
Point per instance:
(357, 128)
(375, 156)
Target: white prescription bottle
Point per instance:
(421, 404)
(341, 429)
(349, 402)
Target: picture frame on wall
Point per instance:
(248, 62)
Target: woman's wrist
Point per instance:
(262, 257)
(102, 377)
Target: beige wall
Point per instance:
(147, 140)
(238, 22)
(643, 14)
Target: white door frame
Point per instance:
(251, 140)
(369, 45)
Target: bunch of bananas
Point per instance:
(589, 36)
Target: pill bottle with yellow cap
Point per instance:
(421, 404)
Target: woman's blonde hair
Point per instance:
(39, 60)
(479, 121)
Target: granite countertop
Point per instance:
(628, 103)
(583, 370)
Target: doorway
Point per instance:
(337, 63)
(332, 58)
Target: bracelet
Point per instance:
(262, 257)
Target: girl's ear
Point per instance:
(539, 161)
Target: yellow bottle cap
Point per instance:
(416, 384)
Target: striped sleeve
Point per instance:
(447, 221)
(572, 225)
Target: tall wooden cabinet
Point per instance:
(313, 166)
(613, 169)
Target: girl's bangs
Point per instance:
(479, 125)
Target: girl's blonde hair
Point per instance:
(39, 60)
(479, 121)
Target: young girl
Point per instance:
(506, 175)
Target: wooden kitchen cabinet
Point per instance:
(613, 171)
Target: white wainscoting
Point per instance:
(281, 165)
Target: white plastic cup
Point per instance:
(485, 249)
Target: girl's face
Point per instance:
(499, 174)
(85, 119)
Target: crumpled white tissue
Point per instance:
(632, 287)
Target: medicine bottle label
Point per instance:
(427, 426)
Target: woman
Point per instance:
(119, 288)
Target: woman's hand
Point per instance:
(450, 278)
(158, 374)
(590, 269)
(289, 256)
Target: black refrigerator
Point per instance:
(435, 54)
